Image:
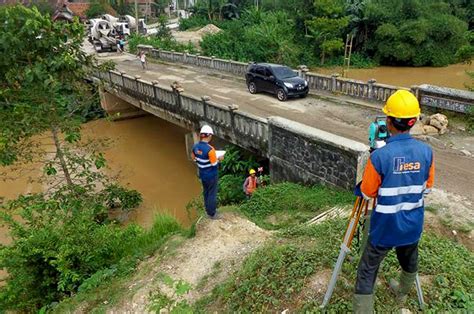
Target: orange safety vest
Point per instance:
(252, 185)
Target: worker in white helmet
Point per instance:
(205, 157)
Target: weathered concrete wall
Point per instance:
(117, 107)
(297, 152)
(372, 91)
(300, 153)
(445, 98)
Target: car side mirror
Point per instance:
(272, 78)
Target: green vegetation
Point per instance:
(401, 32)
(96, 9)
(285, 204)
(158, 43)
(62, 240)
(291, 272)
(109, 283)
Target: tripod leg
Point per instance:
(419, 292)
(345, 248)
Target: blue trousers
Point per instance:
(210, 195)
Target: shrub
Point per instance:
(159, 43)
(59, 242)
(193, 22)
(230, 189)
(95, 9)
(293, 199)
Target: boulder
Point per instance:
(428, 129)
(417, 129)
(439, 121)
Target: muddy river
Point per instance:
(148, 154)
(453, 76)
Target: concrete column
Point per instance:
(121, 74)
(212, 62)
(189, 140)
(185, 56)
(154, 83)
(205, 99)
(334, 77)
(371, 83)
(233, 108)
(137, 77)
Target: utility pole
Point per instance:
(136, 14)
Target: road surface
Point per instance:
(454, 171)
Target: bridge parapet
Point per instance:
(297, 152)
(371, 91)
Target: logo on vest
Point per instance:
(401, 166)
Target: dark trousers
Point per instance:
(210, 195)
(372, 257)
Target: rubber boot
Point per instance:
(363, 303)
(402, 288)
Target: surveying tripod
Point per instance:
(361, 206)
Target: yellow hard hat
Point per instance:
(251, 171)
(402, 104)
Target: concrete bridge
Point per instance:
(296, 152)
(221, 99)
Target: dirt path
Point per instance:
(455, 172)
(203, 261)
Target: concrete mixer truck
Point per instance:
(122, 28)
(131, 21)
(102, 35)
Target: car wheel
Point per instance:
(281, 94)
(252, 88)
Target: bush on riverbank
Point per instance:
(63, 244)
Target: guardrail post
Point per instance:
(414, 89)
(205, 99)
(154, 83)
(137, 77)
(177, 90)
(233, 108)
(212, 62)
(185, 56)
(334, 77)
(198, 56)
(121, 75)
(371, 83)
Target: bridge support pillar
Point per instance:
(118, 108)
(189, 140)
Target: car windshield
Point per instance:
(284, 72)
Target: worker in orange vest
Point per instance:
(250, 183)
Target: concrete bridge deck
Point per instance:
(455, 173)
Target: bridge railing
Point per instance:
(229, 123)
(446, 98)
(315, 156)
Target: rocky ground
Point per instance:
(201, 262)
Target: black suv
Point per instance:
(276, 79)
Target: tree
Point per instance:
(45, 90)
(64, 234)
(327, 26)
(96, 9)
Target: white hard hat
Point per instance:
(206, 130)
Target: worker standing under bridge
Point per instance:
(398, 175)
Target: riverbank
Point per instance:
(262, 256)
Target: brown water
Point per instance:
(453, 76)
(148, 154)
